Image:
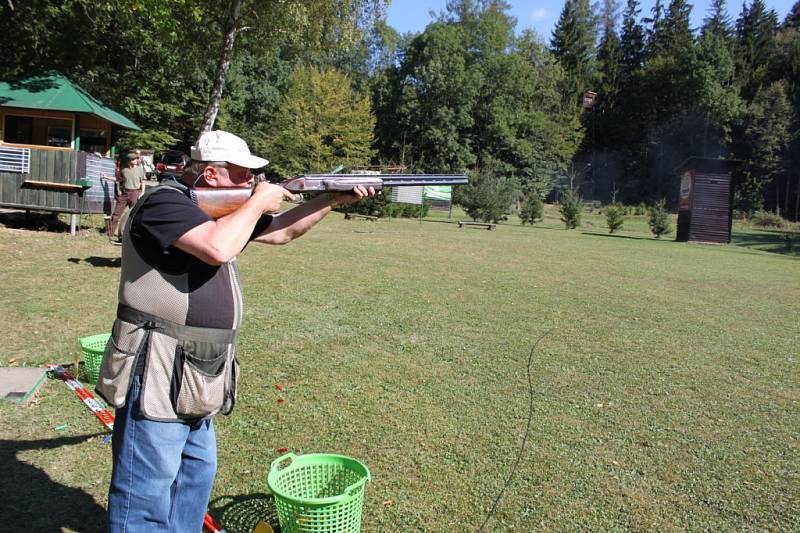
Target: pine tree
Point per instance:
(667, 98)
(718, 22)
(630, 120)
(669, 33)
(632, 41)
(489, 195)
(609, 57)
(615, 217)
(678, 34)
(764, 146)
(571, 207)
(573, 45)
(603, 121)
(658, 219)
(755, 45)
(792, 19)
(655, 36)
(717, 98)
(532, 209)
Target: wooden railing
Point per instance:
(36, 146)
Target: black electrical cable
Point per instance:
(524, 439)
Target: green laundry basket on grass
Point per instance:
(93, 349)
(318, 492)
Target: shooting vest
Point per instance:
(190, 372)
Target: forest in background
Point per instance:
(317, 84)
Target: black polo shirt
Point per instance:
(163, 218)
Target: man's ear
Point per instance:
(211, 176)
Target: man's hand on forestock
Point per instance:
(357, 194)
(270, 196)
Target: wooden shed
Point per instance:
(705, 202)
(55, 143)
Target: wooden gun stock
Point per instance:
(217, 202)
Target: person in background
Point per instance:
(170, 367)
(130, 183)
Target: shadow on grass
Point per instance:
(443, 221)
(593, 234)
(773, 241)
(33, 220)
(454, 222)
(31, 501)
(95, 261)
(241, 514)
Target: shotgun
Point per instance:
(220, 201)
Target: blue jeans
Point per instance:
(162, 473)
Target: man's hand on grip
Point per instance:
(350, 197)
(270, 196)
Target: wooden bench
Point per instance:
(353, 216)
(484, 225)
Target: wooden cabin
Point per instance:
(56, 141)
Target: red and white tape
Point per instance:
(107, 418)
(96, 406)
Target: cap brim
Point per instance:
(248, 161)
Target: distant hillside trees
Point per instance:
(666, 92)
(467, 94)
(471, 93)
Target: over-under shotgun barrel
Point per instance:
(345, 182)
(220, 201)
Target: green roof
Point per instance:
(54, 92)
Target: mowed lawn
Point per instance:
(665, 391)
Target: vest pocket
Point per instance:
(116, 371)
(233, 384)
(198, 387)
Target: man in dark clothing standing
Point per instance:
(170, 365)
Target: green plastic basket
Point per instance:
(93, 349)
(318, 492)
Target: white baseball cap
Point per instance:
(223, 146)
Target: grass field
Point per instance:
(665, 391)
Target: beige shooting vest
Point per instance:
(189, 372)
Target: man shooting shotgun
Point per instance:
(218, 202)
(169, 367)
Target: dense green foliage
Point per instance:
(471, 92)
(156, 60)
(489, 196)
(766, 219)
(320, 123)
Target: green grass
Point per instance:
(665, 391)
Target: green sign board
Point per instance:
(437, 192)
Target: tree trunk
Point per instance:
(797, 200)
(224, 64)
(786, 195)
